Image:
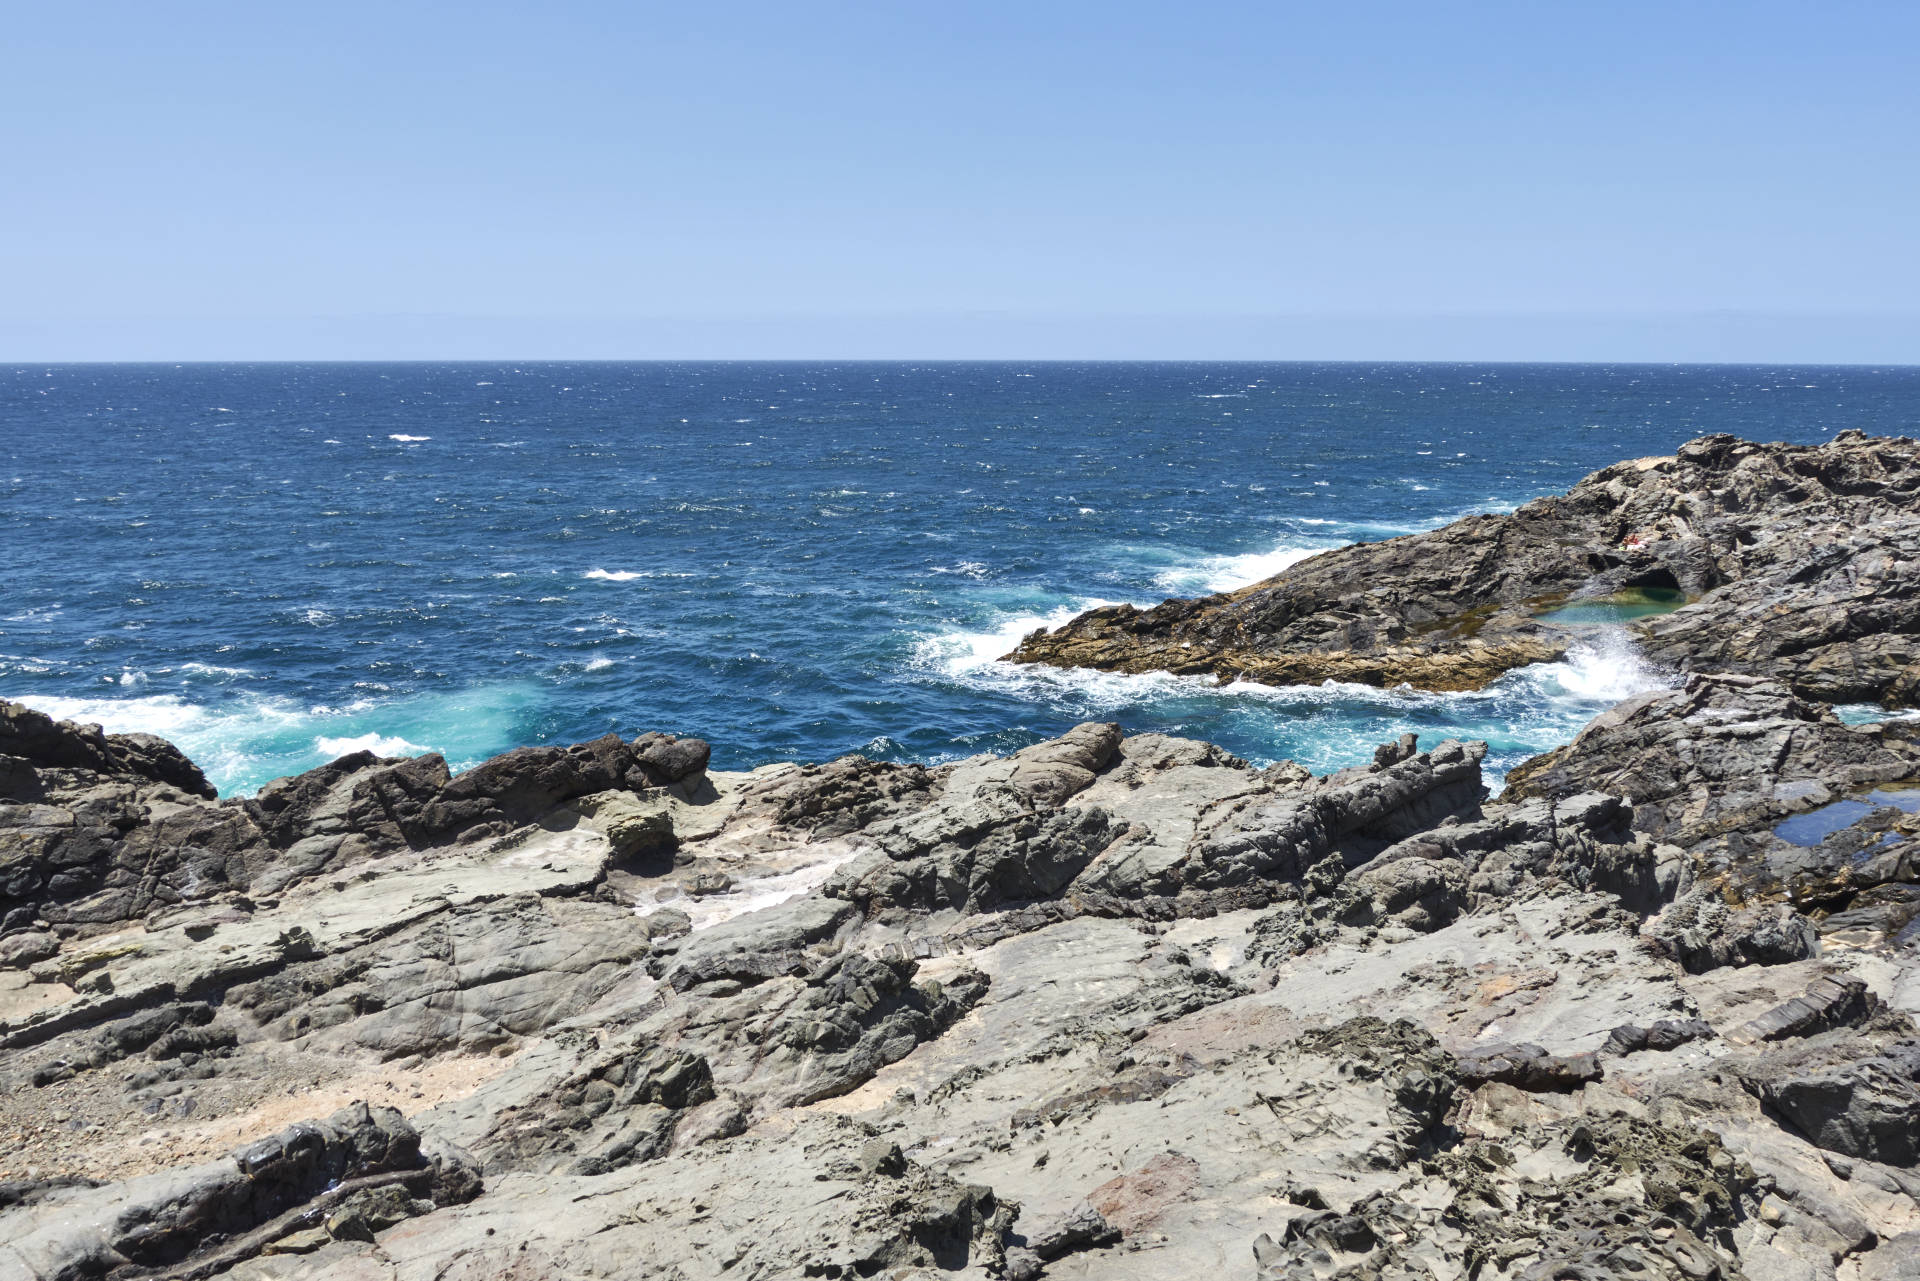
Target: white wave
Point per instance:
(378, 744)
(628, 575)
(1600, 671)
(600, 664)
(1225, 573)
(214, 669)
(162, 714)
(405, 439)
(958, 652)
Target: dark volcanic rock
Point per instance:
(1802, 562)
(43, 743)
(1845, 1096)
(99, 829)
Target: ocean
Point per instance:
(274, 564)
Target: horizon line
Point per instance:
(1516, 362)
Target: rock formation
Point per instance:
(1801, 563)
(1111, 1006)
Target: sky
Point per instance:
(1617, 181)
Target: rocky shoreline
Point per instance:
(1111, 1006)
(1801, 563)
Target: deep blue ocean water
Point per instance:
(274, 564)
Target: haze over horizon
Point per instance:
(748, 180)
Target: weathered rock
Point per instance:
(1828, 1004)
(1844, 1095)
(217, 1212)
(1800, 562)
(1528, 1067)
(44, 744)
(1108, 1007)
(1664, 1035)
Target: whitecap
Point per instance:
(214, 669)
(1225, 573)
(405, 439)
(956, 653)
(628, 575)
(378, 744)
(600, 664)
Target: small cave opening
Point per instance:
(1654, 580)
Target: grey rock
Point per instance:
(1846, 1096)
(1796, 561)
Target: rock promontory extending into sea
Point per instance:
(1797, 562)
(1110, 1006)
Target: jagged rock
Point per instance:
(1664, 1035)
(1844, 1095)
(1357, 812)
(1798, 561)
(996, 834)
(1528, 1067)
(618, 1110)
(41, 743)
(1828, 1004)
(1572, 1199)
(849, 794)
(1721, 753)
(115, 832)
(855, 1016)
(218, 1209)
(1153, 991)
(1703, 933)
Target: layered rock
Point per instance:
(1801, 563)
(1110, 1006)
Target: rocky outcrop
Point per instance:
(1110, 1006)
(340, 1177)
(111, 828)
(1757, 793)
(1801, 563)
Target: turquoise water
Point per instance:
(1621, 607)
(273, 564)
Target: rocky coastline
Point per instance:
(1801, 563)
(1112, 1006)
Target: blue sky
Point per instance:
(1484, 181)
